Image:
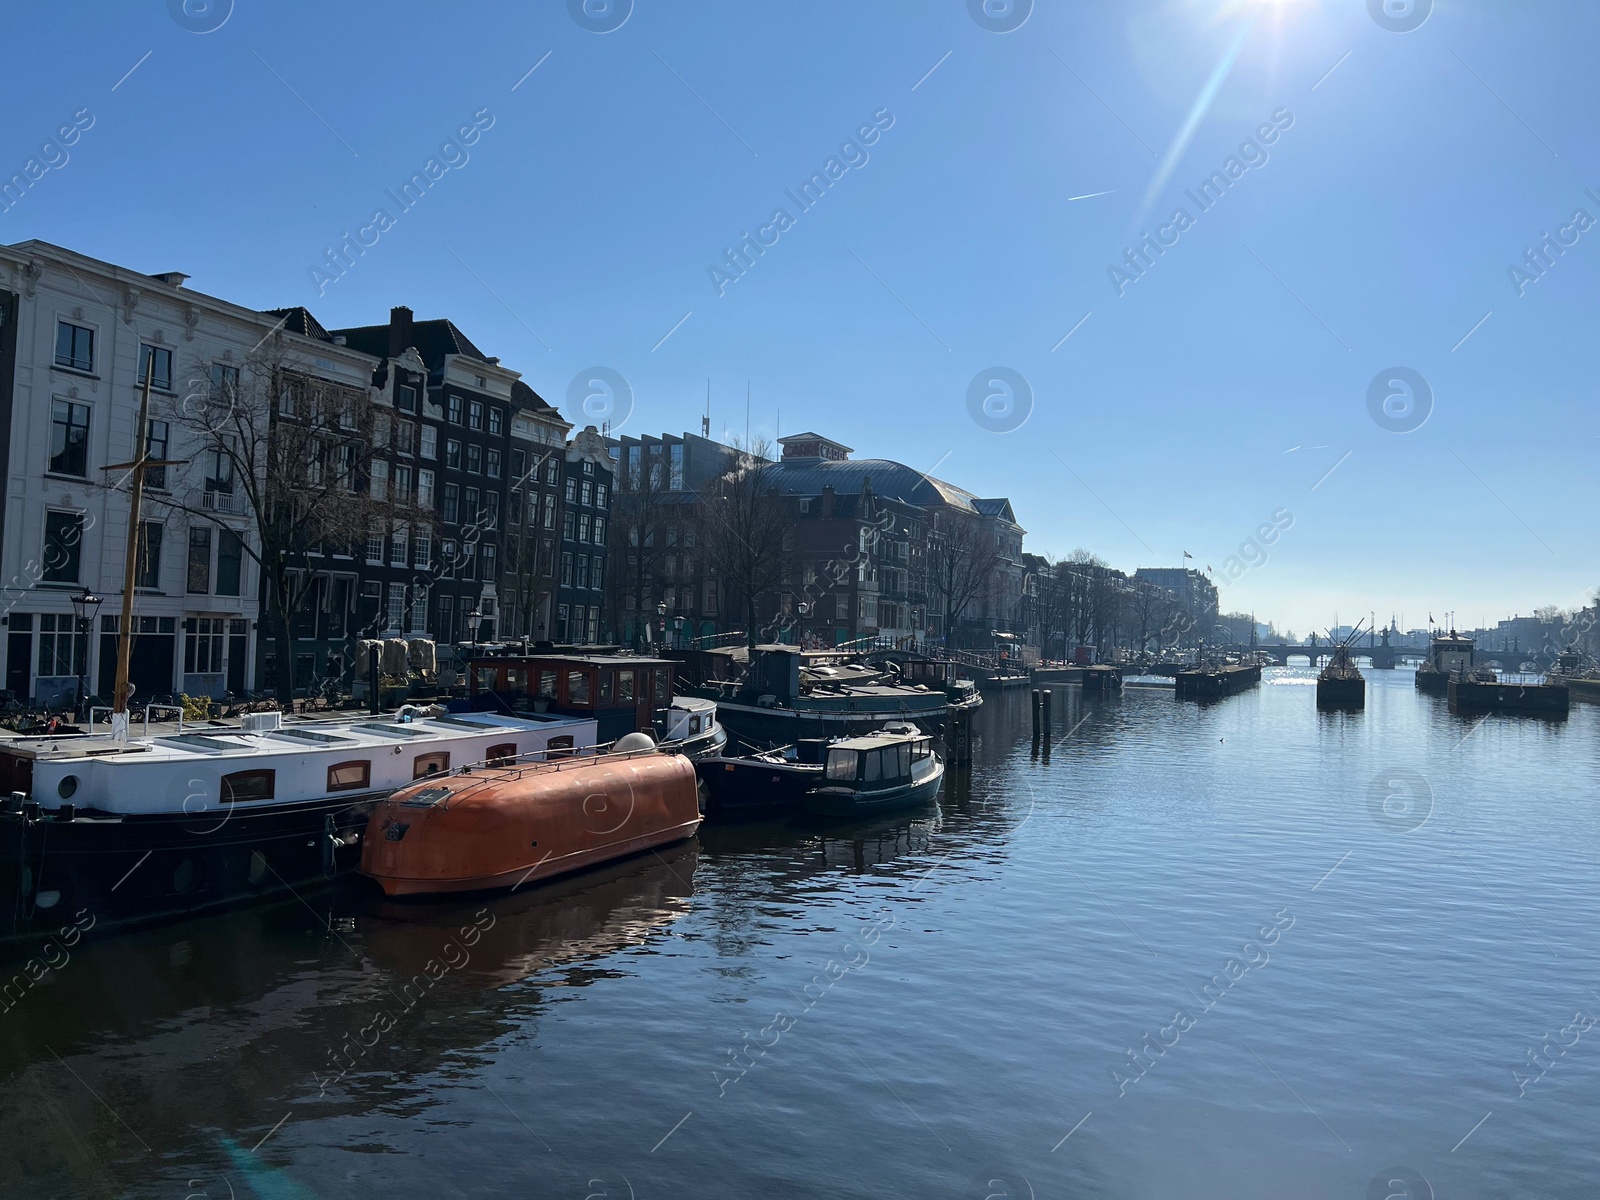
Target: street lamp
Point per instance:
(474, 619)
(84, 606)
(661, 615)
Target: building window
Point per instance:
(399, 541)
(469, 506)
(566, 569)
(675, 481)
(405, 437)
(491, 510)
(572, 491)
(69, 438)
(202, 645)
(230, 562)
(551, 470)
(63, 546)
(419, 608)
(402, 484)
(519, 464)
(155, 446)
(492, 464)
(61, 649)
(397, 605)
(435, 763)
(583, 527)
(549, 511)
(587, 492)
(496, 422)
(452, 502)
(161, 377)
(378, 480)
(594, 622)
(600, 531)
(350, 776)
(243, 786)
(489, 553)
(425, 489)
(454, 410)
(147, 565)
(447, 618)
(375, 545)
(452, 453)
(382, 426)
(475, 460)
(475, 415)
(218, 483)
(597, 578)
(561, 622)
(583, 571)
(422, 545)
(430, 441)
(74, 346)
(199, 581)
(406, 398)
(599, 495)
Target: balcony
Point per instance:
(222, 502)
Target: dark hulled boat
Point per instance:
(1340, 684)
(1448, 654)
(1211, 681)
(767, 783)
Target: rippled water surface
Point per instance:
(1240, 950)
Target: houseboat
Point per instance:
(1213, 680)
(1448, 654)
(1580, 674)
(622, 693)
(513, 822)
(787, 694)
(1340, 684)
(891, 769)
(189, 818)
(1481, 691)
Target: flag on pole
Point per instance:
(1186, 554)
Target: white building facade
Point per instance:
(75, 337)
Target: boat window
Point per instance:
(347, 776)
(547, 684)
(430, 764)
(516, 681)
(842, 764)
(605, 687)
(560, 744)
(578, 688)
(502, 755)
(905, 758)
(663, 685)
(625, 685)
(488, 679)
(248, 785)
(874, 766)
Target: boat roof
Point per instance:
(349, 733)
(878, 739)
(556, 657)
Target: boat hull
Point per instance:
(1341, 693)
(1434, 683)
(1212, 684)
(139, 870)
(1539, 699)
(506, 827)
(743, 788)
(851, 802)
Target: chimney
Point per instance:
(171, 278)
(827, 502)
(399, 330)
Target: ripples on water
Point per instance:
(915, 1007)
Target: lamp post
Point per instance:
(661, 615)
(84, 606)
(474, 619)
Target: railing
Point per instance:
(717, 641)
(223, 502)
(148, 709)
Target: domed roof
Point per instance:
(808, 476)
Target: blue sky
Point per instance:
(1219, 388)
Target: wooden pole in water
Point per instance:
(1035, 714)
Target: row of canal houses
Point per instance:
(496, 512)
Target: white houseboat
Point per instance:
(171, 823)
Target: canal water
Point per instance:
(1235, 950)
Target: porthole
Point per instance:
(67, 787)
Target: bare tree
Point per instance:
(743, 522)
(961, 560)
(290, 452)
(640, 514)
(530, 570)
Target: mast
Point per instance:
(141, 460)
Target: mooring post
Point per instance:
(1044, 705)
(1035, 703)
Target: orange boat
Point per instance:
(504, 826)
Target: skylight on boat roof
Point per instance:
(394, 731)
(308, 735)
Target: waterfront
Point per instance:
(1369, 920)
